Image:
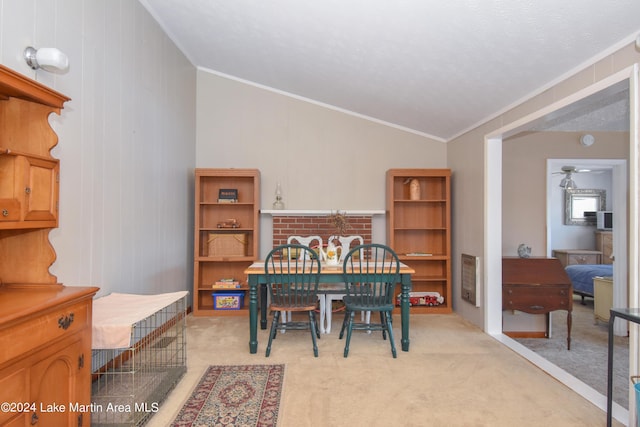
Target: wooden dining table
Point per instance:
(257, 278)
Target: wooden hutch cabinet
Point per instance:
(45, 327)
(227, 203)
(419, 230)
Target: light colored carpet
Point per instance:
(453, 375)
(587, 359)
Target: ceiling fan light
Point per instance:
(568, 184)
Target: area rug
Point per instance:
(237, 395)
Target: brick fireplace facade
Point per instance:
(306, 225)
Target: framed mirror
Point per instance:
(581, 205)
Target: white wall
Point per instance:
(323, 158)
(525, 184)
(126, 141)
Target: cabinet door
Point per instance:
(55, 382)
(28, 192)
(40, 179)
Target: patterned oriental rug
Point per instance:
(242, 395)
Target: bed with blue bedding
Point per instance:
(582, 275)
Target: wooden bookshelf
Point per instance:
(226, 235)
(419, 230)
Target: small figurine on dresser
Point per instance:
(524, 251)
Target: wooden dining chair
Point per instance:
(370, 285)
(312, 242)
(293, 287)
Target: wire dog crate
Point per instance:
(133, 374)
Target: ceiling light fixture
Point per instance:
(48, 58)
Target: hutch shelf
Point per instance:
(419, 230)
(226, 238)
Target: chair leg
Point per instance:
(287, 314)
(328, 312)
(349, 330)
(390, 329)
(383, 321)
(315, 322)
(367, 318)
(314, 332)
(323, 313)
(345, 320)
(273, 331)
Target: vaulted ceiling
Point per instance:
(436, 68)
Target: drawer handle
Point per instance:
(5, 212)
(537, 307)
(65, 321)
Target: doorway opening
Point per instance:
(493, 228)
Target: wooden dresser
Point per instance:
(45, 327)
(537, 286)
(604, 243)
(577, 256)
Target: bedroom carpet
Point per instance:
(587, 359)
(454, 375)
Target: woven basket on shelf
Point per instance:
(227, 244)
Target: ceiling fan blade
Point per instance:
(584, 170)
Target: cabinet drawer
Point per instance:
(9, 210)
(40, 330)
(14, 389)
(536, 299)
(574, 259)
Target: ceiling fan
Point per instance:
(567, 182)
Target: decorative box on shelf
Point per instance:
(228, 195)
(228, 300)
(227, 244)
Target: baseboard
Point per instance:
(525, 334)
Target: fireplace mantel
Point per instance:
(317, 212)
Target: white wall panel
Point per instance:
(324, 159)
(127, 141)
(17, 29)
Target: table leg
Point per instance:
(610, 370)
(253, 316)
(263, 306)
(569, 321)
(404, 307)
